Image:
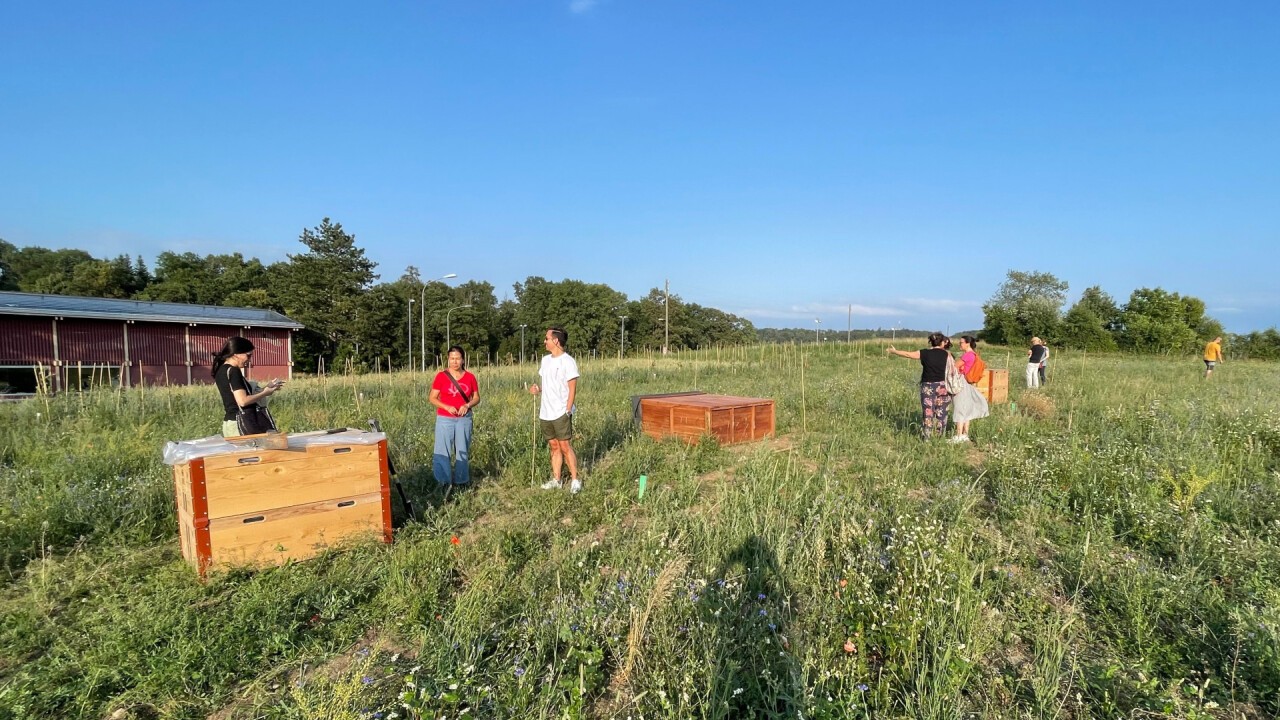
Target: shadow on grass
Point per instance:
(754, 674)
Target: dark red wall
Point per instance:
(157, 351)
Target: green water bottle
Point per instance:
(644, 482)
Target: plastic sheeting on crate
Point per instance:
(176, 453)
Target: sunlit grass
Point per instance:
(1117, 556)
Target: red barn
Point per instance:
(80, 341)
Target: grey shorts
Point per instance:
(559, 429)
(1210, 364)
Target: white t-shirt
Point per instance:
(556, 372)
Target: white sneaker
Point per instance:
(552, 484)
(575, 486)
(959, 439)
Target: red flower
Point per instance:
(454, 540)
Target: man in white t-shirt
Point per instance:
(559, 374)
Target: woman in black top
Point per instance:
(237, 392)
(935, 402)
(1035, 356)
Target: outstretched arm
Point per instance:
(913, 354)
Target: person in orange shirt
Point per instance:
(1212, 355)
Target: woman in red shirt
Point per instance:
(454, 392)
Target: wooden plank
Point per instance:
(309, 452)
(703, 401)
(247, 488)
(294, 533)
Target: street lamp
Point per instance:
(422, 316)
(522, 327)
(817, 323)
(410, 334)
(448, 342)
(623, 344)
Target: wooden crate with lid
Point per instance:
(259, 507)
(728, 418)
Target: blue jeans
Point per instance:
(453, 435)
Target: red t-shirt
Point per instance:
(449, 394)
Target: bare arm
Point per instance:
(244, 399)
(913, 354)
(573, 392)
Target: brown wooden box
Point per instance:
(260, 507)
(730, 419)
(994, 386)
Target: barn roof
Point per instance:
(70, 306)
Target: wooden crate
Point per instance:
(729, 419)
(994, 386)
(261, 507)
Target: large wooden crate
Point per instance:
(264, 507)
(729, 419)
(994, 386)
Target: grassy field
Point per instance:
(1111, 548)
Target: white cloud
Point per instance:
(577, 7)
(940, 305)
(1227, 310)
(810, 310)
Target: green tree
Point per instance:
(46, 271)
(1025, 304)
(8, 278)
(207, 280)
(321, 289)
(589, 312)
(1158, 321)
(1090, 324)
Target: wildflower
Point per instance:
(737, 692)
(366, 680)
(454, 540)
(760, 596)
(844, 583)
(849, 647)
(862, 687)
(763, 612)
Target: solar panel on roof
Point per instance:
(33, 304)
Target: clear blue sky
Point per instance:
(779, 160)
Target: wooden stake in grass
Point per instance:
(533, 454)
(804, 416)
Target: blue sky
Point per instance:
(781, 161)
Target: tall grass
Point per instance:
(1118, 557)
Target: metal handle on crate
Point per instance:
(346, 503)
(248, 460)
(341, 450)
(254, 519)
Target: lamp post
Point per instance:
(410, 334)
(522, 327)
(622, 346)
(448, 342)
(817, 323)
(422, 316)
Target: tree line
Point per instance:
(332, 288)
(1154, 320)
